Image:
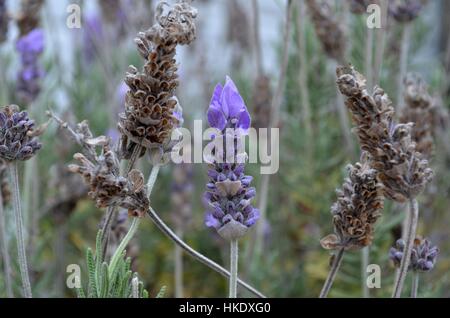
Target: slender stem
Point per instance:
(415, 284)
(19, 230)
(332, 274)
(381, 42)
(5, 254)
(134, 225)
(135, 287)
(178, 255)
(152, 179)
(234, 255)
(409, 241)
(110, 212)
(365, 253)
(198, 256)
(403, 62)
(118, 253)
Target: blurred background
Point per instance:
(80, 73)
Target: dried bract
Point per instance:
(29, 17)
(405, 10)
(152, 111)
(328, 29)
(419, 109)
(400, 166)
(358, 207)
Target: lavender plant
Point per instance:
(18, 143)
(228, 196)
(401, 169)
(423, 259)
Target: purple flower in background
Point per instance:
(228, 196)
(227, 108)
(423, 255)
(92, 36)
(30, 47)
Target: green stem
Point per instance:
(118, 253)
(415, 285)
(134, 225)
(233, 268)
(332, 274)
(178, 269)
(411, 228)
(5, 254)
(364, 263)
(19, 230)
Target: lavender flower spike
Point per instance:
(228, 196)
(30, 47)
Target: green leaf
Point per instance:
(92, 289)
(98, 258)
(104, 283)
(162, 291)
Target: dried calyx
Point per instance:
(358, 207)
(328, 29)
(102, 173)
(17, 135)
(419, 108)
(359, 6)
(401, 168)
(423, 255)
(152, 111)
(29, 17)
(4, 183)
(405, 10)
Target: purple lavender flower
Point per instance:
(228, 196)
(92, 36)
(423, 255)
(227, 108)
(30, 47)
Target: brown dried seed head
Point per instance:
(401, 167)
(151, 109)
(359, 205)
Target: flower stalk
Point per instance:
(337, 260)
(4, 250)
(415, 285)
(234, 255)
(23, 264)
(410, 235)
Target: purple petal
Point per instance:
(216, 94)
(211, 221)
(216, 118)
(244, 120)
(253, 217)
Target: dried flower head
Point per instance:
(405, 10)
(358, 207)
(30, 47)
(17, 135)
(102, 172)
(228, 196)
(152, 111)
(401, 168)
(328, 29)
(4, 183)
(29, 16)
(418, 109)
(423, 255)
(4, 20)
(359, 6)
(262, 98)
